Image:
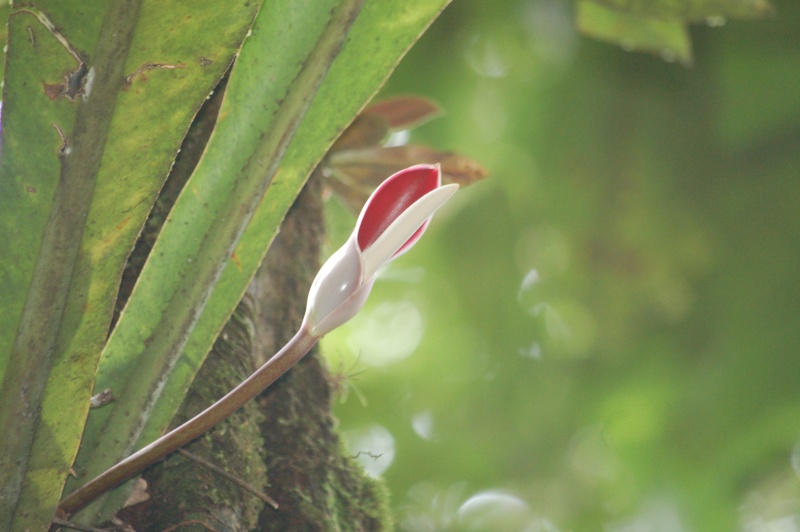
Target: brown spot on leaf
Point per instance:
(123, 223)
(139, 72)
(53, 91)
(32, 37)
(72, 87)
(63, 149)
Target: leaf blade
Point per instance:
(666, 36)
(134, 163)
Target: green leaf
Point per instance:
(660, 26)
(81, 166)
(666, 36)
(167, 286)
(691, 10)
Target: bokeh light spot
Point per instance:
(387, 334)
(494, 510)
(422, 423)
(373, 448)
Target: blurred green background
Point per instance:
(604, 334)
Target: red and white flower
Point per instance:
(392, 220)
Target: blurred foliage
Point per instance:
(660, 26)
(667, 36)
(603, 334)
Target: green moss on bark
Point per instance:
(184, 491)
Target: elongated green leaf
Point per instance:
(667, 36)
(81, 165)
(691, 10)
(253, 131)
(386, 30)
(660, 26)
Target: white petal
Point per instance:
(343, 312)
(403, 228)
(337, 280)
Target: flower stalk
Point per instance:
(391, 222)
(288, 356)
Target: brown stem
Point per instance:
(276, 366)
